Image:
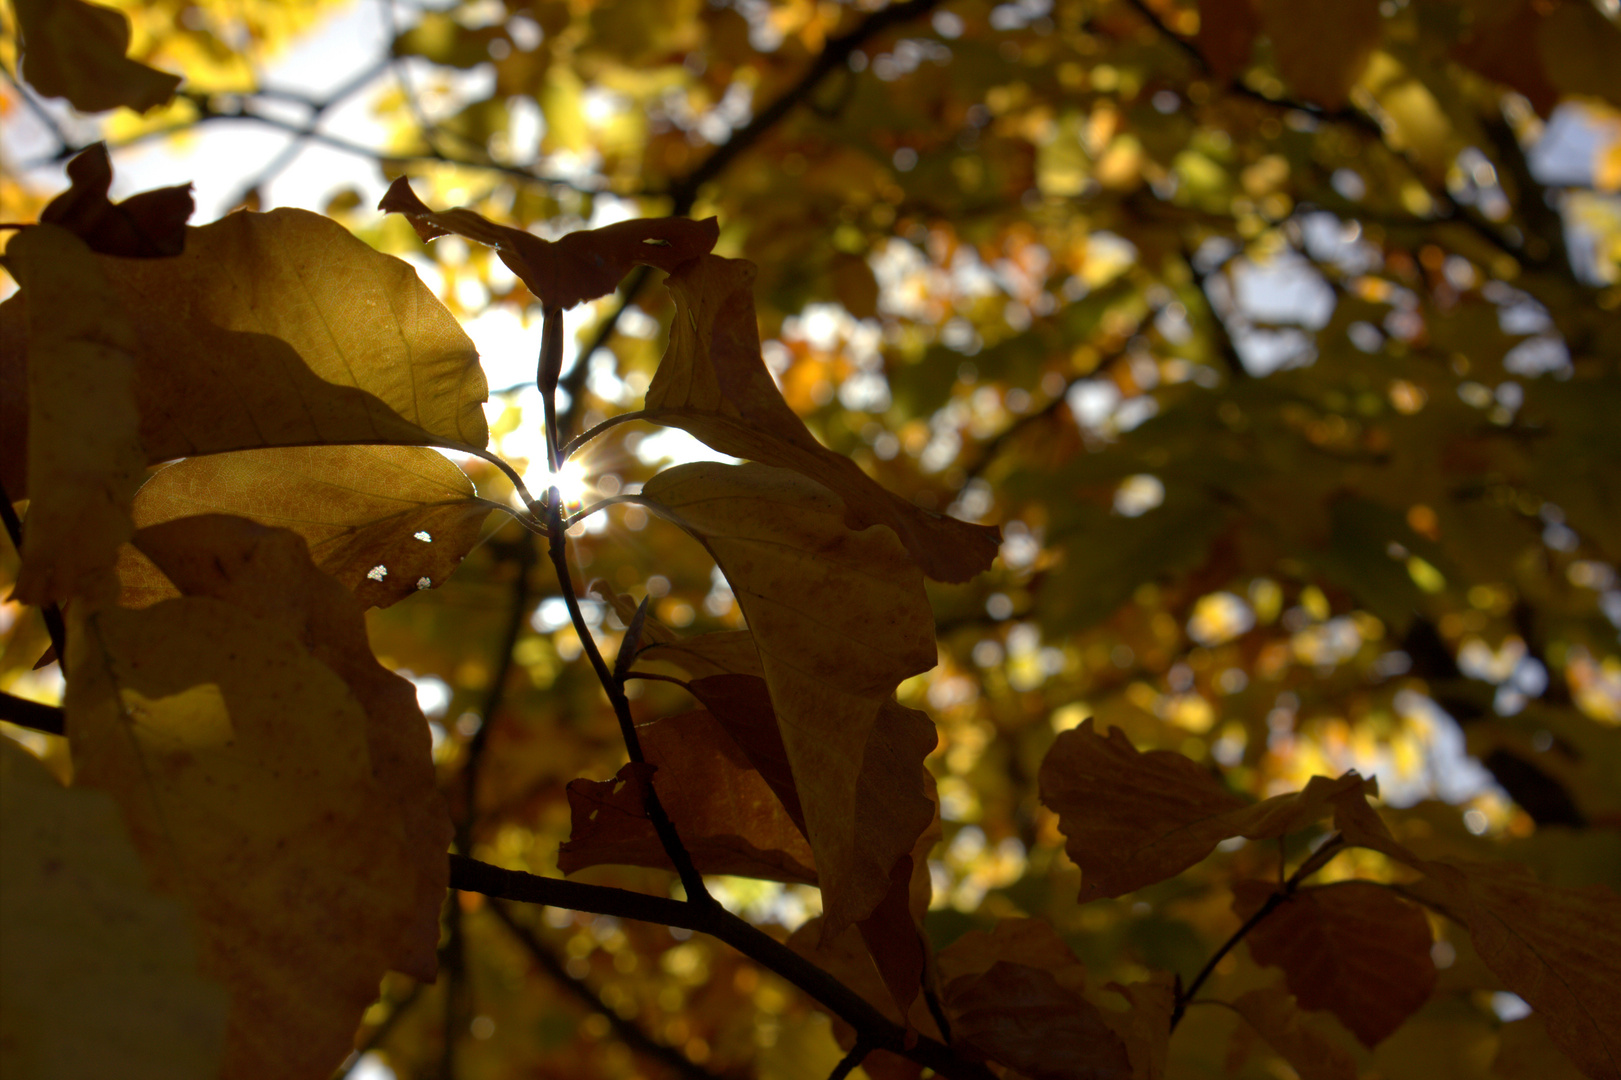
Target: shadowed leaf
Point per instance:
(1353, 948)
(582, 265)
(1322, 46)
(1272, 1013)
(76, 50)
(149, 225)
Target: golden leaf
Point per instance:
(840, 619)
(714, 384)
(84, 936)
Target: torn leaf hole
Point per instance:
(378, 572)
(653, 241)
(423, 535)
(424, 583)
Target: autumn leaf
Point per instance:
(282, 329)
(274, 776)
(14, 397)
(1322, 46)
(84, 935)
(149, 225)
(1015, 995)
(1353, 948)
(727, 816)
(713, 383)
(1145, 1027)
(839, 619)
(84, 455)
(578, 267)
(1132, 818)
(1272, 1013)
(75, 50)
(386, 521)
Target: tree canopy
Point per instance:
(1062, 538)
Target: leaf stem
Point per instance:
(691, 880)
(848, 1063)
(876, 1029)
(573, 446)
(1313, 863)
(32, 714)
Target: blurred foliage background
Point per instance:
(1279, 338)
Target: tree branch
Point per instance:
(31, 714)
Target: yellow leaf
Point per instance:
(713, 383)
(1322, 46)
(75, 50)
(84, 937)
(840, 619)
(386, 521)
(274, 775)
(1132, 819)
(282, 329)
(84, 455)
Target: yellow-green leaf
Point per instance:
(840, 619)
(85, 938)
(76, 50)
(84, 454)
(386, 521)
(713, 383)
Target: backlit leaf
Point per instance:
(84, 456)
(839, 619)
(582, 265)
(274, 776)
(75, 50)
(151, 224)
(713, 383)
(386, 521)
(84, 935)
(1353, 948)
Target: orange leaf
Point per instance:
(1353, 948)
(149, 225)
(582, 265)
(1131, 819)
(713, 383)
(726, 815)
(76, 50)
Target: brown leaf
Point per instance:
(1021, 1016)
(742, 705)
(713, 383)
(76, 50)
(275, 776)
(84, 455)
(1131, 819)
(1353, 948)
(839, 619)
(14, 397)
(1146, 1027)
(386, 521)
(1227, 30)
(582, 265)
(282, 329)
(1322, 46)
(727, 817)
(1272, 1012)
(149, 225)
(1497, 49)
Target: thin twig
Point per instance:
(880, 1032)
(50, 719)
(1314, 862)
(379, 1033)
(629, 1033)
(847, 1064)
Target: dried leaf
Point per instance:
(713, 383)
(840, 619)
(1132, 819)
(1022, 1016)
(282, 329)
(149, 225)
(83, 936)
(1272, 1012)
(727, 817)
(1353, 948)
(84, 456)
(275, 776)
(76, 50)
(582, 265)
(386, 521)
(1322, 46)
